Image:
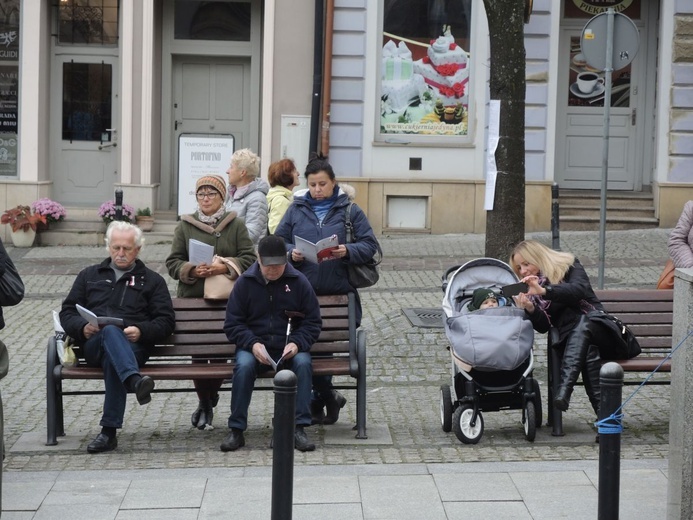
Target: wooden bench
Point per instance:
(649, 313)
(340, 351)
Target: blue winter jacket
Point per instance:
(329, 277)
(256, 311)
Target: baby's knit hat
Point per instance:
(480, 296)
(216, 182)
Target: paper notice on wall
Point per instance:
(491, 146)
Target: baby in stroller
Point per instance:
(491, 344)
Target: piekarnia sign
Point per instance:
(595, 7)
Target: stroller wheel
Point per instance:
(537, 402)
(530, 421)
(461, 423)
(445, 408)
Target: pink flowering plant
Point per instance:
(53, 211)
(107, 211)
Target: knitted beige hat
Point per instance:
(215, 182)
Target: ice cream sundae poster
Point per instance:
(424, 86)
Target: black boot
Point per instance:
(203, 416)
(590, 376)
(573, 361)
(334, 403)
(317, 411)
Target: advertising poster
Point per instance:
(425, 68)
(200, 155)
(9, 86)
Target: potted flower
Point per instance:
(144, 219)
(23, 222)
(107, 211)
(53, 211)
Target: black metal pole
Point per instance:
(555, 238)
(283, 445)
(118, 204)
(316, 100)
(611, 381)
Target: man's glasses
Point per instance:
(207, 195)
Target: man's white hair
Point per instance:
(121, 225)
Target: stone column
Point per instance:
(680, 490)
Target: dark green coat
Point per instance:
(230, 239)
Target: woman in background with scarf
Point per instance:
(316, 213)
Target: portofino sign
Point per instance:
(594, 7)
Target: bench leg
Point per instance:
(361, 388)
(51, 395)
(555, 415)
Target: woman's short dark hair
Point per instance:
(319, 163)
(281, 173)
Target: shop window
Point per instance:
(88, 22)
(9, 86)
(220, 21)
(426, 64)
(87, 101)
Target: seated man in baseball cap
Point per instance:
(269, 299)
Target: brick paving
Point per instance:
(406, 366)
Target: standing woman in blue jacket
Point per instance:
(316, 213)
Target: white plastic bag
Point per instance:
(66, 355)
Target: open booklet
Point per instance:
(98, 321)
(318, 252)
(274, 363)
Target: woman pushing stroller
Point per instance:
(560, 295)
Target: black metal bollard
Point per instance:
(283, 442)
(118, 204)
(555, 238)
(611, 382)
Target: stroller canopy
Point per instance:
(482, 272)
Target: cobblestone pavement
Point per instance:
(406, 366)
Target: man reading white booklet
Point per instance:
(98, 321)
(318, 252)
(274, 363)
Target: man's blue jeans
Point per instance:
(120, 359)
(244, 375)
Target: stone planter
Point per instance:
(145, 223)
(23, 238)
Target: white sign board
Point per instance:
(200, 155)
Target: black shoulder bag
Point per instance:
(361, 275)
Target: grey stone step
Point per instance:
(582, 223)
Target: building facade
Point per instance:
(143, 95)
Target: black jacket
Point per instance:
(141, 298)
(256, 311)
(568, 300)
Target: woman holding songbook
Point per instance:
(210, 224)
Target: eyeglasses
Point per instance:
(209, 195)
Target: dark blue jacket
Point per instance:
(329, 277)
(256, 311)
(141, 298)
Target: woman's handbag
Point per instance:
(11, 285)
(666, 279)
(361, 275)
(622, 342)
(219, 286)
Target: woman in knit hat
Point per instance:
(248, 192)
(212, 224)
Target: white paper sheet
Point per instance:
(491, 147)
(200, 253)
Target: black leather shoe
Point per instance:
(143, 389)
(102, 443)
(233, 441)
(562, 400)
(334, 404)
(301, 441)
